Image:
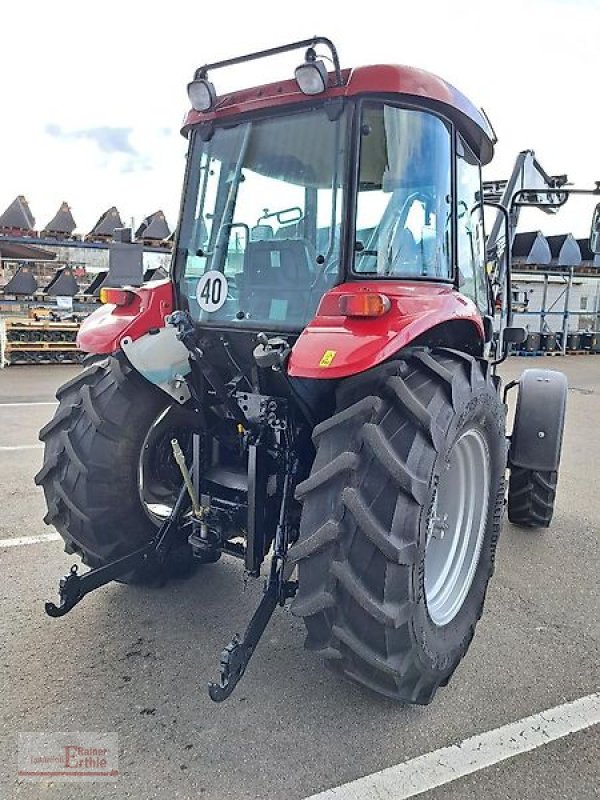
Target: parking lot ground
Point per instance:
(136, 661)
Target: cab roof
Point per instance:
(392, 80)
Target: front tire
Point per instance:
(384, 600)
(531, 496)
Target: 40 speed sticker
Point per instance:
(211, 291)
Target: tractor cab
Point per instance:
(367, 178)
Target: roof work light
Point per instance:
(202, 94)
(311, 76)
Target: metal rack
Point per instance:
(24, 341)
(562, 337)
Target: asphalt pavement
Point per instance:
(136, 661)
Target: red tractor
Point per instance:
(316, 382)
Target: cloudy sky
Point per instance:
(93, 94)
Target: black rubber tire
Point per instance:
(531, 496)
(366, 509)
(91, 461)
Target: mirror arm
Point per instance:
(505, 276)
(594, 240)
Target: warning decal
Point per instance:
(327, 358)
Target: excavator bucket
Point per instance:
(94, 288)
(155, 274)
(18, 219)
(103, 230)
(531, 247)
(63, 284)
(62, 224)
(565, 250)
(154, 228)
(125, 264)
(23, 282)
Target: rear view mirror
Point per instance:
(289, 215)
(286, 216)
(595, 232)
(515, 335)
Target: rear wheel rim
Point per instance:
(457, 526)
(159, 478)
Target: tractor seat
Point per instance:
(290, 231)
(260, 232)
(276, 280)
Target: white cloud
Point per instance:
(532, 65)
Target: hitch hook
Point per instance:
(69, 590)
(233, 662)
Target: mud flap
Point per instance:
(537, 434)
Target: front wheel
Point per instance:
(531, 496)
(402, 513)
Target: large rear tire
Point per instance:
(91, 469)
(395, 551)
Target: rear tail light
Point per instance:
(360, 304)
(117, 297)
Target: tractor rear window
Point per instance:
(403, 211)
(262, 219)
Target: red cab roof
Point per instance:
(385, 79)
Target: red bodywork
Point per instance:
(382, 78)
(336, 347)
(103, 330)
(330, 346)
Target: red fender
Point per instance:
(338, 346)
(104, 329)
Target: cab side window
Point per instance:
(472, 276)
(403, 208)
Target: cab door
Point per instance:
(470, 237)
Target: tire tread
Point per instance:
(356, 617)
(531, 497)
(90, 495)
